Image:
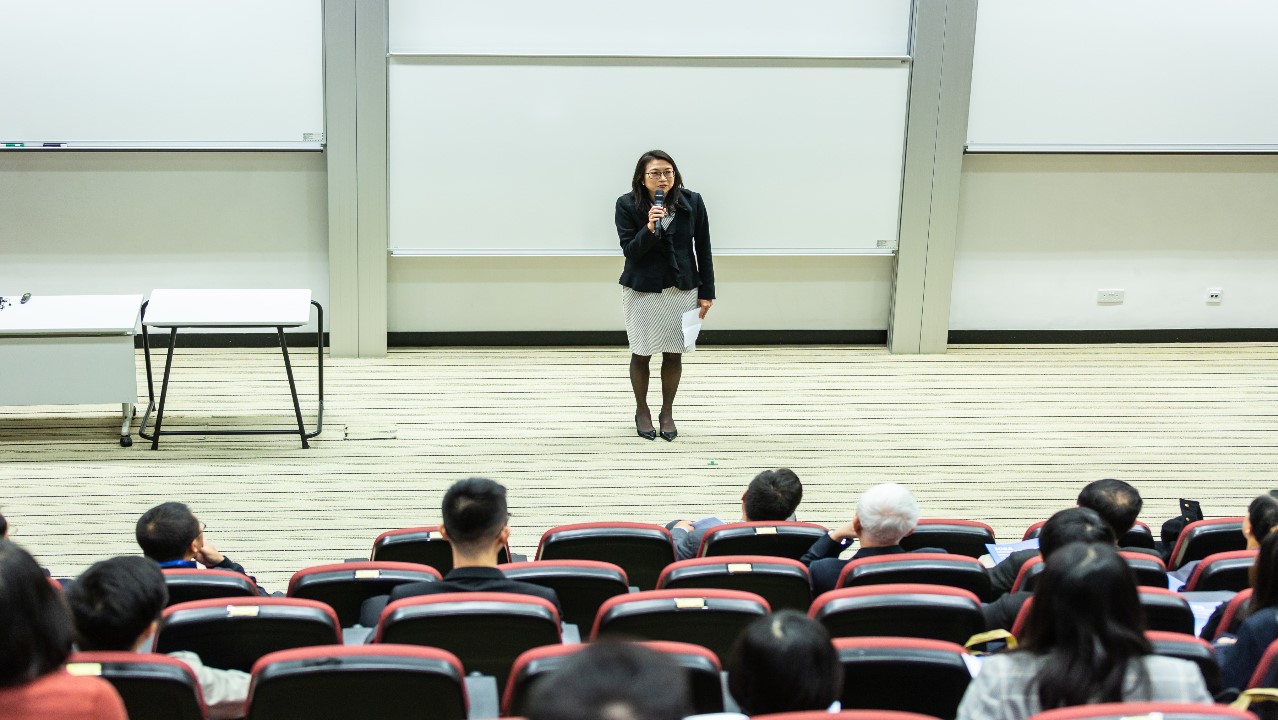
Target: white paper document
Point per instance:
(691, 327)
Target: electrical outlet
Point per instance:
(1214, 296)
(1110, 297)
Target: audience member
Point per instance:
(35, 640)
(611, 680)
(784, 662)
(771, 496)
(1241, 654)
(173, 537)
(1066, 526)
(1262, 517)
(476, 527)
(1116, 502)
(884, 514)
(116, 605)
(4, 528)
(1084, 643)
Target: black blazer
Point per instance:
(649, 256)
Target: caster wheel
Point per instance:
(126, 441)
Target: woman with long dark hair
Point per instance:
(1084, 643)
(669, 270)
(35, 639)
(1260, 628)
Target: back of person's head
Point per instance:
(784, 662)
(887, 512)
(1072, 526)
(166, 531)
(609, 680)
(1264, 575)
(4, 528)
(474, 512)
(1088, 623)
(1115, 501)
(772, 495)
(35, 627)
(115, 601)
(1262, 515)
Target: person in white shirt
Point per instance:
(117, 604)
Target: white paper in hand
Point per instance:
(691, 328)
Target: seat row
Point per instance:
(880, 673)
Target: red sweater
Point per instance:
(59, 696)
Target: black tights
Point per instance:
(671, 371)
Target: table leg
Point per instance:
(128, 411)
(164, 390)
(292, 387)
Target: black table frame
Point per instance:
(288, 369)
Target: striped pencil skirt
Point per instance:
(654, 322)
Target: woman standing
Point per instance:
(665, 237)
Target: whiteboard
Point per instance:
(798, 28)
(1125, 75)
(518, 156)
(215, 74)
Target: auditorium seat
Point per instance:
(643, 550)
(1139, 536)
(1222, 571)
(1145, 711)
(1149, 571)
(232, 633)
(421, 545)
(1166, 610)
(387, 682)
(710, 618)
(844, 715)
(486, 631)
(1232, 609)
(1187, 647)
(702, 666)
(344, 586)
(906, 610)
(153, 687)
(958, 571)
(887, 673)
(777, 538)
(1207, 537)
(960, 537)
(783, 582)
(189, 584)
(1266, 673)
(582, 585)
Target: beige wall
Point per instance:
(1040, 234)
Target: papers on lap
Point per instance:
(1000, 552)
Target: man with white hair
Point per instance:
(884, 514)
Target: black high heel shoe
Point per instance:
(670, 435)
(645, 434)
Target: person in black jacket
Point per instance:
(173, 537)
(669, 271)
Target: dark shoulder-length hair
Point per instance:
(35, 626)
(784, 662)
(1264, 575)
(1088, 625)
(640, 191)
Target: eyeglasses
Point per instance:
(203, 527)
(654, 174)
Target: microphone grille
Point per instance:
(659, 197)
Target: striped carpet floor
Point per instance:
(996, 433)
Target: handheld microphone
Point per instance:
(658, 200)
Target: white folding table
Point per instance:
(70, 349)
(174, 309)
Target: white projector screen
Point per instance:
(1125, 76)
(197, 74)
